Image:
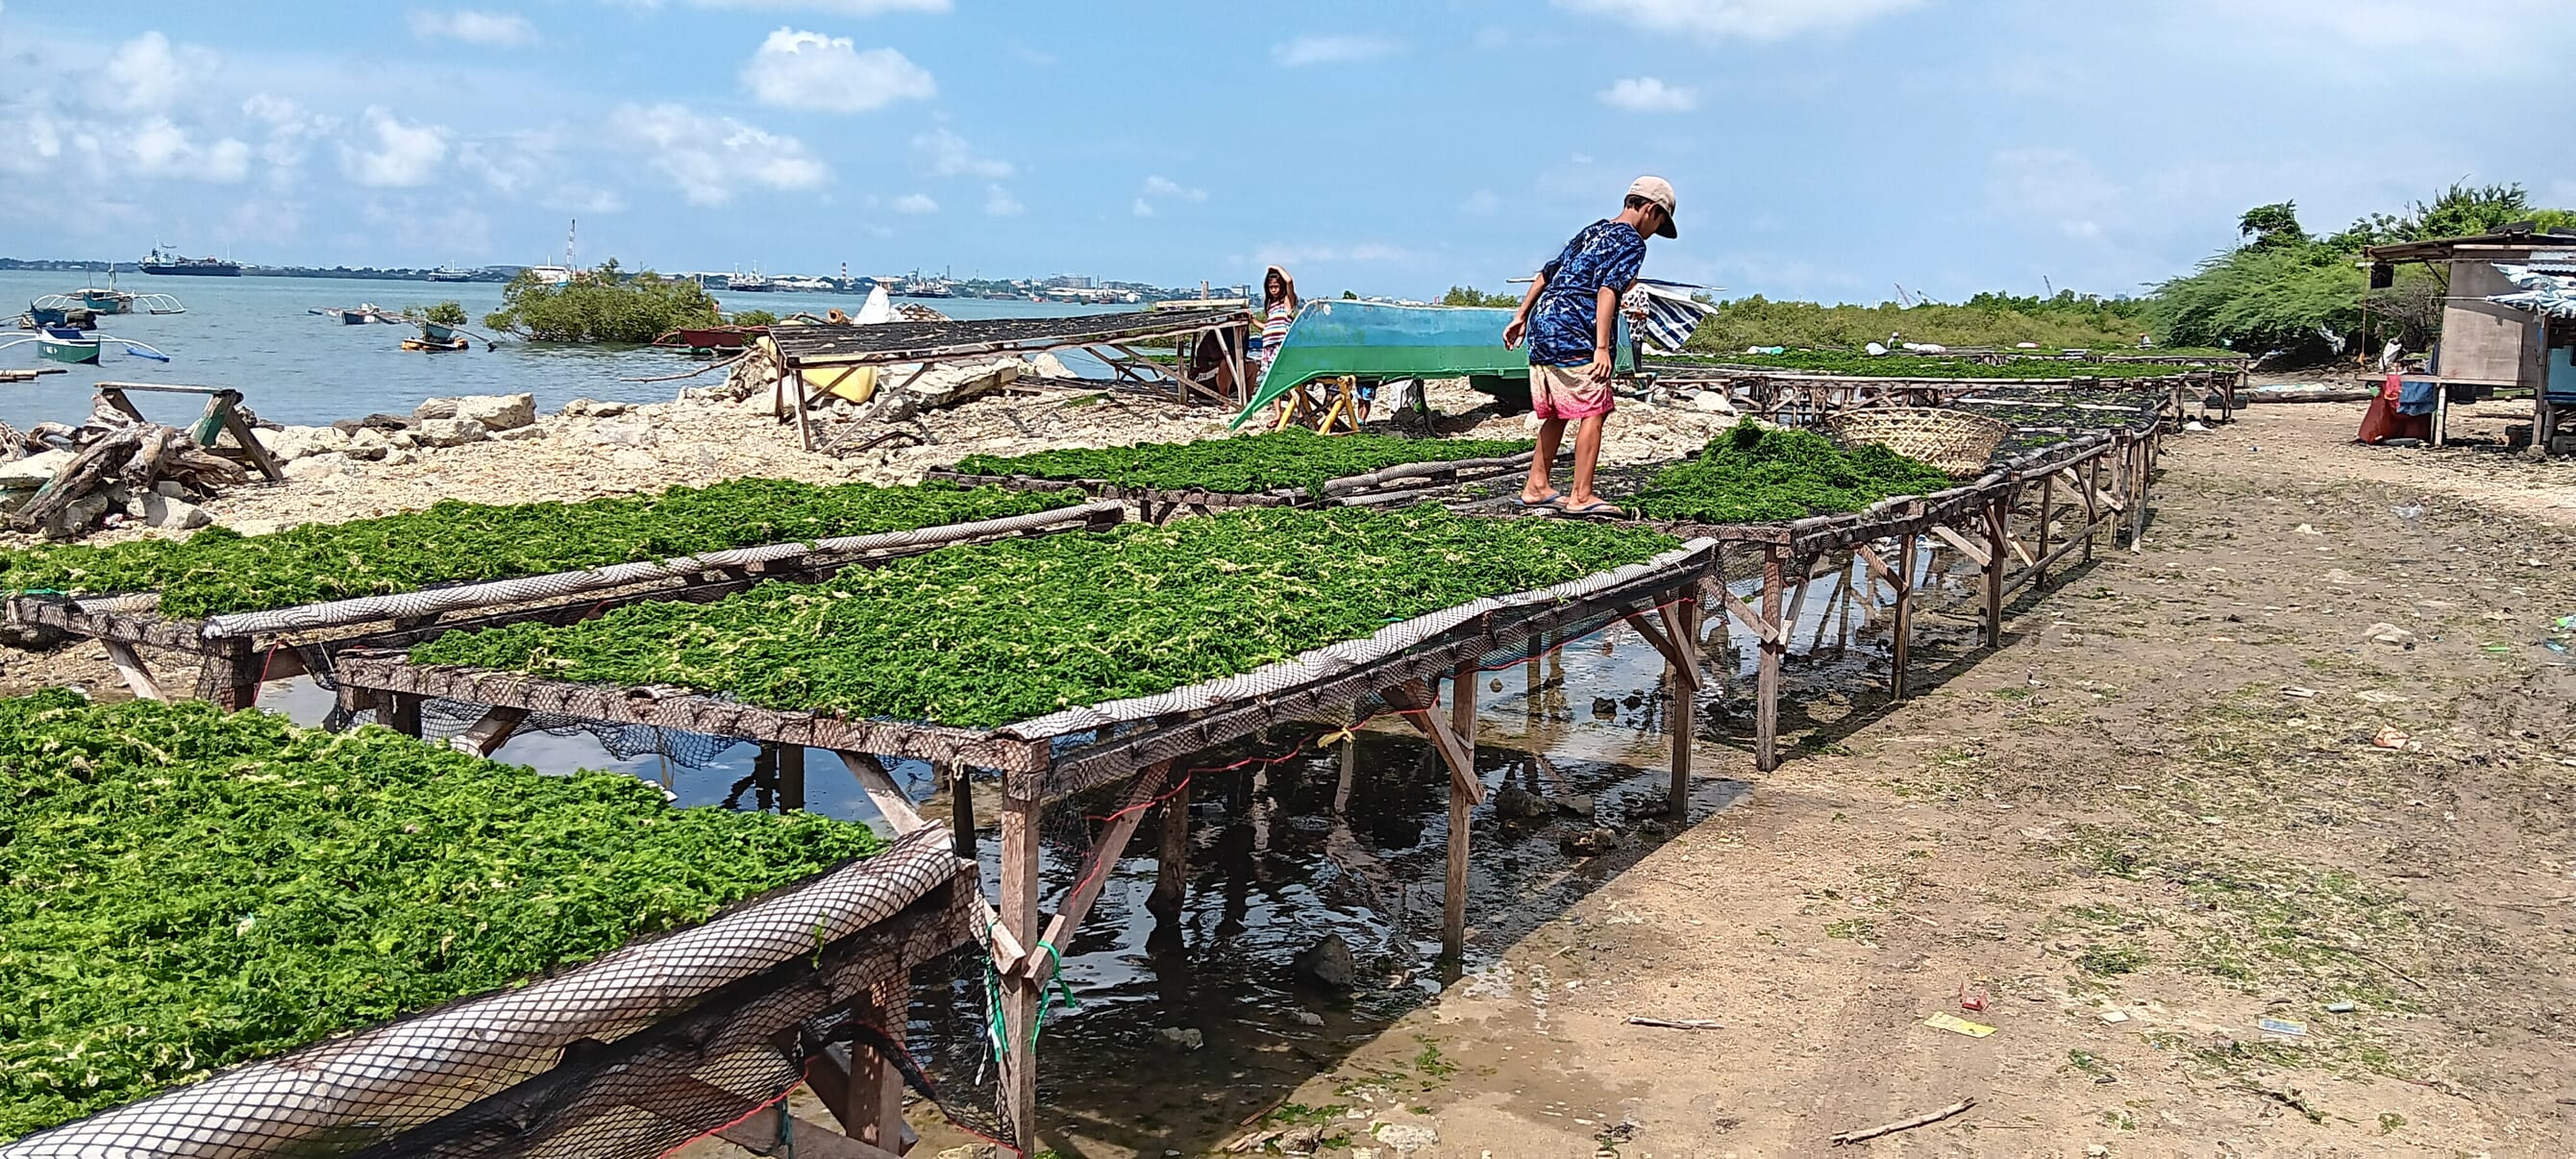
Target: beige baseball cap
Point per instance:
(1659, 191)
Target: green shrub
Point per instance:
(601, 305)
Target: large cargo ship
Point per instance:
(163, 261)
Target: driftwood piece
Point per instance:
(87, 471)
(1905, 1124)
(1677, 1023)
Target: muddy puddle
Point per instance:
(1168, 1036)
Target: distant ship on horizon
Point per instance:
(162, 261)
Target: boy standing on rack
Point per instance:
(1569, 316)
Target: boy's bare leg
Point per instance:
(1551, 432)
(1587, 455)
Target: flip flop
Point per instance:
(1528, 504)
(1596, 507)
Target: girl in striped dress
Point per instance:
(1278, 311)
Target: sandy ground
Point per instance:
(2153, 819)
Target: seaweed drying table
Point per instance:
(1136, 742)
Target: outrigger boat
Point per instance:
(441, 336)
(71, 346)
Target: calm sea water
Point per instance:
(255, 335)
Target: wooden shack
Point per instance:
(2487, 345)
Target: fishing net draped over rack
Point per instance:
(630, 1054)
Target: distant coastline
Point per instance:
(373, 273)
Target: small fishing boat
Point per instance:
(440, 336)
(109, 301)
(711, 337)
(74, 347)
(157, 304)
(348, 317)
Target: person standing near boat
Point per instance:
(1570, 316)
(1278, 312)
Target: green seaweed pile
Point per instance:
(1758, 474)
(1937, 366)
(218, 570)
(188, 889)
(1294, 457)
(987, 634)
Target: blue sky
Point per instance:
(1822, 148)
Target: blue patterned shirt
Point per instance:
(1561, 324)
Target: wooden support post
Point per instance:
(961, 811)
(404, 717)
(2146, 456)
(2092, 485)
(1997, 511)
(229, 678)
(137, 674)
(879, 1083)
(1462, 723)
(2047, 512)
(1905, 565)
(1172, 851)
(1766, 687)
(795, 387)
(791, 778)
(1798, 603)
(1683, 626)
(1020, 993)
(1531, 682)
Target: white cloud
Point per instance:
(1159, 186)
(998, 202)
(149, 73)
(156, 147)
(2056, 187)
(914, 203)
(490, 29)
(1289, 256)
(1717, 20)
(1142, 208)
(1343, 49)
(948, 155)
(405, 154)
(290, 129)
(708, 157)
(834, 7)
(808, 70)
(1645, 94)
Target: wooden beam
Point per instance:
(487, 734)
(1994, 567)
(1960, 544)
(1020, 995)
(879, 785)
(137, 674)
(1172, 851)
(1662, 640)
(1904, 615)
(1877, 567)
(229, 677)
(1464, 792)
(1415, 706)
(1766, 711)
(1769, 632)
(1682, 620)
(1096, 868)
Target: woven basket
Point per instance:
(1954, 441)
